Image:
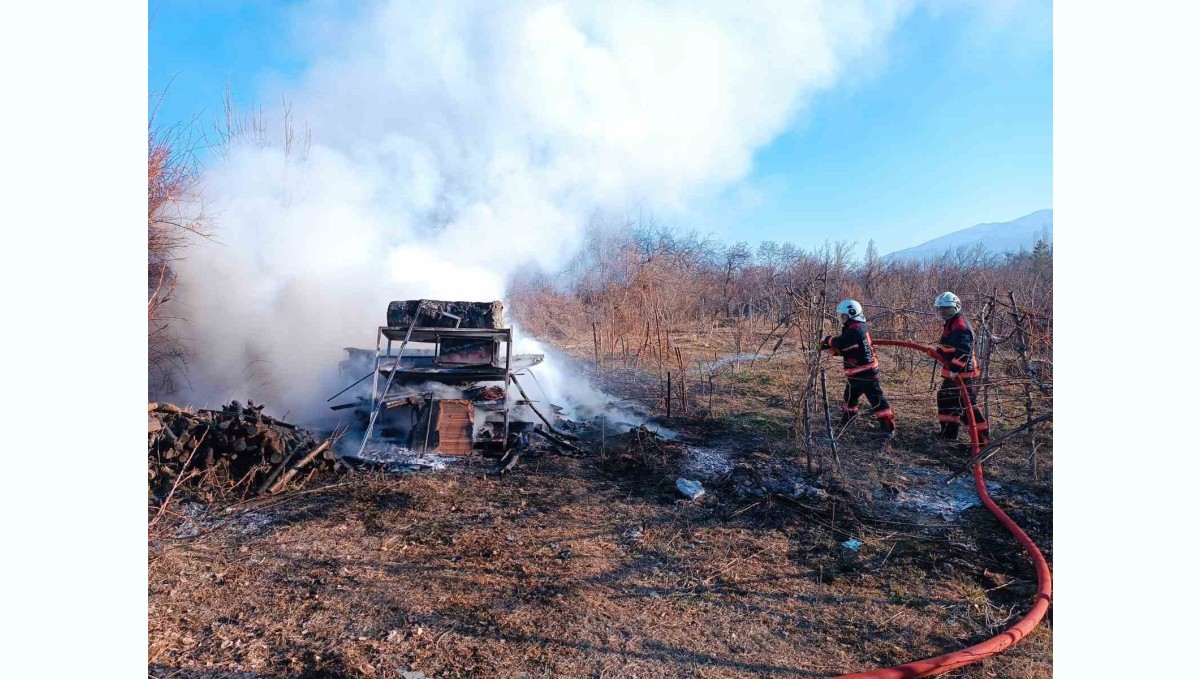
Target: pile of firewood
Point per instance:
(232, 453)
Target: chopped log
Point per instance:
(312, 454)
(270, 480)
(256, 417)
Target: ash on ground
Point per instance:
(395, 459)
(198, 518)
(921, 491)
(706, 463)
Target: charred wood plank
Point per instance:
(557, 441)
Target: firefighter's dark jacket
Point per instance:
(854, 346)
(957, 346)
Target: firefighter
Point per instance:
(862, 368)
(957, 347)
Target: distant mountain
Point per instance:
(996, 238)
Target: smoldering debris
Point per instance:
(643, 448)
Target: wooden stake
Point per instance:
(829, 423)
(807, 437)
(668, 394)
(1024, 337)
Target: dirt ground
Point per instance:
(597, 567)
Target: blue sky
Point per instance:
(953, 130)
(197, 48)
(949, 127)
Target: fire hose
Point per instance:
(955, 659)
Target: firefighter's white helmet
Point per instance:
(947, 304)
(849, 308)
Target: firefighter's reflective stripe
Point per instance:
(981, 430)
(862, 368)
(945, 417)
(881, 414)
(946, 373)
(853, 345)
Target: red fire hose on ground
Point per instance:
(949, 661)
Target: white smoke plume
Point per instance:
(455, 141)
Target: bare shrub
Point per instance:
(174, 217)
(639, 291)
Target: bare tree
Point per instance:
(175, 216)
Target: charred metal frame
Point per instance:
(433, 335)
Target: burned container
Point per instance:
(440, 379)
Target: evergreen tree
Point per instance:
(1041, 261)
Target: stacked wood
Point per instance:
(438, 314)
(232, 453)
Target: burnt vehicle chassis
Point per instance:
(438, 387)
